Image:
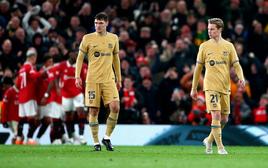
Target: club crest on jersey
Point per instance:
(110, 45)
(96, 54)
(225, 53)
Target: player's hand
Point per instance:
(193, 94)
(118, 85)
(78, 83)
(241, 84)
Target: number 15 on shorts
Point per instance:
(91, 94)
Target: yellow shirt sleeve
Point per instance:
(238, 71)
(79, 63)
(200, 61)
(80, 58)
(116, 61)
(235, 64)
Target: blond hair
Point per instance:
(217, 21)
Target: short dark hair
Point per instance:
(217, 21)
(102, 16)
(47, 57)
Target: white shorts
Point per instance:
(70, 104)
(28, 109)
(53, 110)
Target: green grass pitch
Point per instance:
(130, 156)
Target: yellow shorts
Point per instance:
(95, 91)
(216, 101)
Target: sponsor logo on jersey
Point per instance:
(97, 54)
(105, 54)
(212, 62)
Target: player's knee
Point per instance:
(114, 107)
(216, 115)
(93, 111)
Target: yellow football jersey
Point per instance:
(100, 50)
(217, 57)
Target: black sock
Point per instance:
(70, 128)
(82, 122)
(43, 128)
(20, 127)
(32, 128)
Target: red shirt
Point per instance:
(54, 95)
(42, 84)
(67, 79)
(260, 115)
(129, 97)
(27, 82)
(10, 106)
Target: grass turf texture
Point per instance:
(130, 156)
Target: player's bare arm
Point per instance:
(79, 63)
(197, 73)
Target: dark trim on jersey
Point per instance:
(82, 51)
(235, 62)
(200, 62)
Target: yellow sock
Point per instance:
(210, 137)
(94, 126)
(216, 131)
(111, 122)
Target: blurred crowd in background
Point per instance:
(159, 41)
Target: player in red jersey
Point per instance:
(10, 108)
(26, 83)
(53, 94)
(43, 101)
(72, 97)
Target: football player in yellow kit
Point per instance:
(101, 48)
(218, 56)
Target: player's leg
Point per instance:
(110, 124)
(69, 124)
(94, 126)
(81, 124)
(33, 124)
(92, 100)
(14, 128)
(225, 106)
(20, 137)
(68, 107)
(112, 118)
(22, 120)
(111, 97)
(31, 115)
(81, 117)
(45, 120)
(224, 120)
(214, 107)
(217, 131)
